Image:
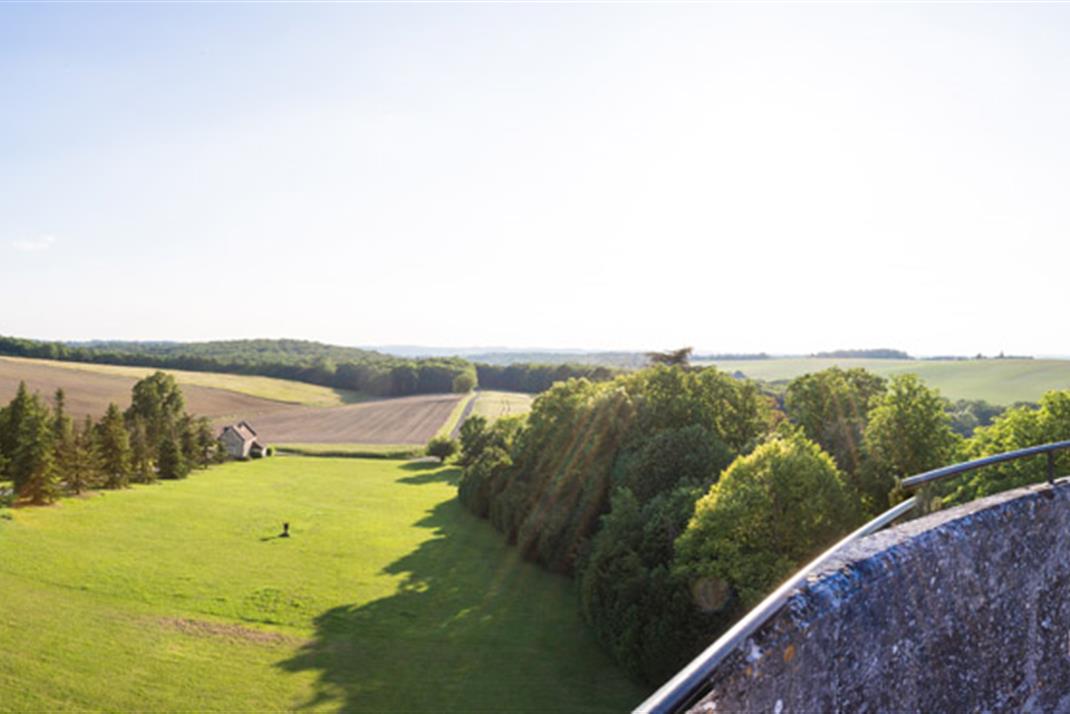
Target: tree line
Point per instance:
(352, 368)
(46, 454)
(679, 497)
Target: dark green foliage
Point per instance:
(832, 407)
(908, 433)
(158, 402)
(473, 439)
(32, 465)
(483, 479)
(142, 452)
(11, 420)
(770, 512)
(441, 447)
(1016, 428)
(464, 382)
(327, 365)
(581, 437)
(172, 463)
(641, 611)
(79, 466)
(687, 455)
(968, 414)
(536, 378)
(113, 445)
(204, 437)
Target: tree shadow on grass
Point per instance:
(470, 628)
(439, 474)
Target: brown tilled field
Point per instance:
(89, 392)
(404, 420)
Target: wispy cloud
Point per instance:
(36, 244)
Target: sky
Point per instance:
(784, 178)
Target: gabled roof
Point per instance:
(242, 429)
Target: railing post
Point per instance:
(1051, 468)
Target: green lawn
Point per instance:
(388, 597)
(997, 381)
(494, 405)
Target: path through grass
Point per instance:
(388, 597)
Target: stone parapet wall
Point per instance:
(967, 609)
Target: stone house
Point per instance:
(241, 442)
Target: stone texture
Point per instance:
(964, 610)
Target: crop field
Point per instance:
(388, 597)
(1003, 381)
(90, 391)
(266, 388)
(494, 405)
(403, 420)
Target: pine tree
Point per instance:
(33, 465)
(82, 463)
(114, 445)
(11, 425)
(171, 461)
(206, 442)
(142, 455)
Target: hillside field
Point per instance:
(999, 381)
(319, 418)
(388, 597)
(266, 388)
(494, 405)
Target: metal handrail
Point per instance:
(688, 685)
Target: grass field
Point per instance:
(494, 405)
(997, 381)
(388, 597)
(279, 390)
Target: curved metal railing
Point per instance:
(690, 683)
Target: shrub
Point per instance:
(441, 447)
(769, 513)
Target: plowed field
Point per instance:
(405, 420)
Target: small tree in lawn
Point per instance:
(206, 442)
(33, 463)
(442, 447)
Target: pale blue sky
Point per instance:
(778, 177)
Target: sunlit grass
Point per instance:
(388, 597)
(494, 405)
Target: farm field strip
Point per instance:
(389, 596)
(267, 388)
(999, 381)
(493, 405)
(403, 420)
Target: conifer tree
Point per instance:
(206, 442)
(114, 445)
(142, 453)
(33, 467)
(82, 464)
(11, 424)
(171, 460)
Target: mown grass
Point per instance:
(388, 597)
(494, 405)
(998, 381)
(280, 390)
(373, 451)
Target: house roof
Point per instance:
(242, 429)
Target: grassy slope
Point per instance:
(281, 390)
(997, 381)
(494, 405)
(389, 597)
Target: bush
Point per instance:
(442, 447)
(770, 512)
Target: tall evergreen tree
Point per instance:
(81, 465)
(206, 442)
(142, 452)
(114, 445)
(170, 458)
(33, 467)
(11, 425)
